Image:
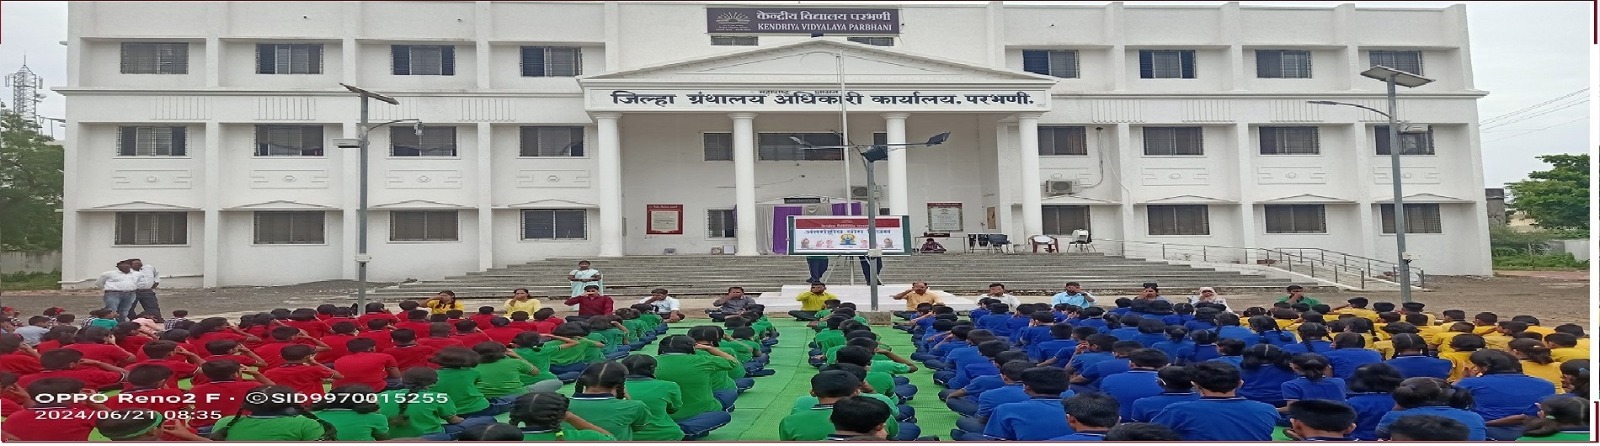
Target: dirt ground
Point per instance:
(1555, 297)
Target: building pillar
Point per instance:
(899, 191)
(609, 157)
(1247, 183)
(350, 159)
(1127, 167)
(71, 269)
(1369, 224)
(744, 183)
(1032, 201)
(485, 196)
(211, 244)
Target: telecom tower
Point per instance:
(25, 95)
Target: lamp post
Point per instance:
(361, 212)
(874, 153)
(1392, 77)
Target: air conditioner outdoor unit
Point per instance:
(860, 192)
(1059, 188)
(817, 209)
(1414, 128)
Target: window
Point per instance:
(552, 141)
(1062, 141)
(1421, 218)
(423, 226)
(552, 61)
(1166, 64)
(778, 147)
(152, 228)
(289, 140)
(1407, 61)
(1058, 63)
(555, 224)
(290, 228)
(155, 58)
(1289, 141)
(1296, 218)
(435, 141)
(424, 60)
(1187, 219)
(874, 41)
(718, 146)
(152, 141)
(721, 223)
(1062, 220)
(733, 40)
(1168, 141)
(1410, 143)
(1283, 64)
(289, 58)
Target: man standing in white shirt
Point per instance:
(149, 280)
(1073, 295)
(665, 306)
(120, 287)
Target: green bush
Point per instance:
(1546, 261)
(31, 281)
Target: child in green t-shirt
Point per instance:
(414, 411)
(543, 416)
(576, 351)
(640, 332)
(276, 418)
(354, 411)
(500, 373)
(607, 330)
(531, 347)
(828, 307)
(601, 399)
(665, 399)
(741, 339)
(814, 424)
(458, 378)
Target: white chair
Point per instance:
(1050, 244)
(1081, 241)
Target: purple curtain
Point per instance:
(780, 227)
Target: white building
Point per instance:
(200, 134)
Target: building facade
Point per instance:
(201, 136)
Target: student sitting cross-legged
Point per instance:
(1219, 414)
(968, 401)
(1019, 421)
(1175, 388)
(1138, 382)
(899, 430)
(699, 376)
(878, 376)
(856, 416)
(665, 399)
(815, 423)
(531, 347)
(1089, 416)
(600, 398)
(1320, 420)
(543, 416)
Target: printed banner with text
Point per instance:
(842, 235)
(847, 21)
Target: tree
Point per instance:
(30, 186)
(1557, 198)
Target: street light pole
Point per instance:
(361, 211)
(1404, 263)
(1392, 78)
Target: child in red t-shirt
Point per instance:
(416, 320)
(283, 337)
(17, 357)
(342, 314)
(224, 390)
(64, 363)
(149, 389)
(306, 320)
(365, 367)
(300, 372)
(501, 330)
(485, 314)
(407, 352)
(99, 344)
(130, 337)
(545, 321)
(181, 362)
(54, 420)
(378, 331)
(375, 310)
(342, 332)
(468, 333)
(439, 337)
(520, 320)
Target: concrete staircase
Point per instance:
(691, 276)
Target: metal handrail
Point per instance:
(1357, 269)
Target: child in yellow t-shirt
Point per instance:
(1536, 360)
(1533, 325)
(1462, 345)
(1357, 306)
(1285, 318)
(1564, 347)
(1576, 331)
(1441, 340)
(1416, 308)
(1386, 346)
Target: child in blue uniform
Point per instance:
(972, 423)
(1265, 368)
(1349, 352)
(1219, 414)
(1088, 380)
(1321, 420)
(1312, 340)
(1089, 416)
(1433, 397)
(1138, 382)
(1020, 421)
(1175, 388)
(1412, 360)
(1501, 392)
(1371, 395)
(1314, 382)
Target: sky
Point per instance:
(1524, 54)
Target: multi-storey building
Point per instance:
(200, 135)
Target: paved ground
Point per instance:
(1553, 296)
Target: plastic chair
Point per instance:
(1050, 244)
(1081, 241)
(998, 241)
